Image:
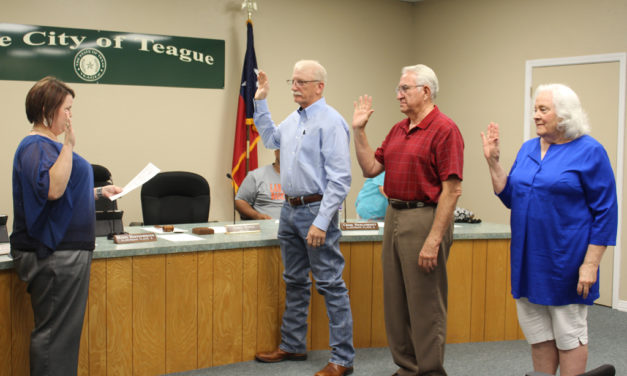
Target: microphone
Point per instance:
(228, 175)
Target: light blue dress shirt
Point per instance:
(315, 154)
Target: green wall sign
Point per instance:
(28, 53)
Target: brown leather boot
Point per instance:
(278, 355)
(333, 369)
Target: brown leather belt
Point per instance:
(302, 200)
(400, 204)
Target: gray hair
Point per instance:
(424, 76)
(573, 120)
(318, 70)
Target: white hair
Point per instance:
(573, 120)
(318, 70)
(424, 76)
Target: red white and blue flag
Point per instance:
(246, 135)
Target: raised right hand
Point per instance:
(491, 150)
(263, 86)
(70, 137)
(362, 112)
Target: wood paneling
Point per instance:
(119, 315)
(250, 297)
(5, 319)
(228, 306)
(96, 319)
(379, 338)
(205, 309)
(181, 321)
(268, 305)
(477, 311)
(496, 290)
(459, 270)
(149, 315)
(23, 323)
(361, 293)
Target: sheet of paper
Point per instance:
(144, 175)
(5, 248)
(180, 237)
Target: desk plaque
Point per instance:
(348, 226)
(244, 227)
(134, 238)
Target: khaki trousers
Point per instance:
(415, 302)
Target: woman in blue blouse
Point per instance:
(564, 213)
(54, 227)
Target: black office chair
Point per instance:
(175, 197)
(604, 370)
(102, 177)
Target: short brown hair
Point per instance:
(45, 98)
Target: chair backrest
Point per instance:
(102, 177)
(604, 370)
(175, 197)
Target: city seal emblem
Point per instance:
(90, 64)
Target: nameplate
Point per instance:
(244, 227)
(348, 226)
(134, 238)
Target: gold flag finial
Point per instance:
(250, 6)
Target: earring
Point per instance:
(46, 123)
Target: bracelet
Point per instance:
(99, 194)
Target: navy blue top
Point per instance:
(41, 225)
(560, 204)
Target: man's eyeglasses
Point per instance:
(403, 88)
(300, 83)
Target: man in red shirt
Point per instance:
(422, 156)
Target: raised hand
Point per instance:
(363, 110)
(70, 137)
(263, 86)
(491, 150)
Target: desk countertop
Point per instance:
(266, 237)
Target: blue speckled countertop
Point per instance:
(266, 237)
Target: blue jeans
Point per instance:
(326, 264)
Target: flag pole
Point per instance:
(250, 6)
(246, 135)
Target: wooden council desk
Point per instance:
(164, 307)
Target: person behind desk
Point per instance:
(54, 228)
(371, 201)
(315, 177)
(260, 195)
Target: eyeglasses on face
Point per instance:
(300, 83)
(404, 88)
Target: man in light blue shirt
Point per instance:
(315, 177)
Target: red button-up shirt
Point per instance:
(416, 161)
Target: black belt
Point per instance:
(400, 204)
(302, 200)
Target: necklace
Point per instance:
(44, 132)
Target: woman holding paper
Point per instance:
(54, 227)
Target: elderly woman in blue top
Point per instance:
(562, 196)
(53, 228)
